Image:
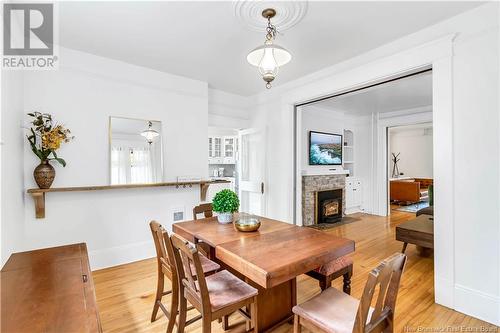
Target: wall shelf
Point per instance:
(39, 194)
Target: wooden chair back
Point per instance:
(386, 277)
(194, 283)
(205, 208)
(164, 250)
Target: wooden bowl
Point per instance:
(247, 224)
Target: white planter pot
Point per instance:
(225, 218)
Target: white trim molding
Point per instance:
(476, 303)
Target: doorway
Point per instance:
(410, 168)
(252, 170)
(361, 117)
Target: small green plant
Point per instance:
(226, 201)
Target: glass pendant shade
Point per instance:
(150, 133)
(268, 58)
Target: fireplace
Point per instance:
(328, 206)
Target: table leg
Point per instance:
(404, 247)
(275, 304)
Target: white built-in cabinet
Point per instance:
(353, 195)
(348, 151)
(222, 149)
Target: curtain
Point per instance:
(131, 165)
(119, 165)
(141, 166)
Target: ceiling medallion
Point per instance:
(270, 56)
(288, 13)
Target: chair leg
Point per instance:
(248, 323)
(325, 282)
(296, 324)
(174, 307)
(225, 323)
(182, 312)
(347, 280)
(254, 314)
(206, 325)
(322, 283)
(159, 293)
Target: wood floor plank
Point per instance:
(125, 293)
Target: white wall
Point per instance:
(82, 94)
(227, 110)
(465, 77)
(414, 146)
(317, 119)
(12, 176)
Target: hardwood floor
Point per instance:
(125, 293)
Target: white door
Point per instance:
(252, 171)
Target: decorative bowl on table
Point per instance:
(247, 223)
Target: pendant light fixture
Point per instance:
(269, 57)
(150, 133)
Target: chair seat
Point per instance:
(226, 289)
(332, 311)
(334, 266)
(207, 265)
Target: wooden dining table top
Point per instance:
(274, 254)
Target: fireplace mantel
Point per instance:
(324, 172)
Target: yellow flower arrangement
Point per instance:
(45, 138)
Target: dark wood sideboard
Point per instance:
(49, 290)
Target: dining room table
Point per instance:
(270, 259)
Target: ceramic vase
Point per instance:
(44, 174)
(225, 218)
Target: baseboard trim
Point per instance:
(120, 255)
(443, 292)
(478, 304)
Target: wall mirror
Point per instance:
(135, 151)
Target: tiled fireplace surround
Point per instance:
(311, 184)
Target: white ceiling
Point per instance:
(403, 94)
(205, 40)
(132, 126)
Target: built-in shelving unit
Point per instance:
(39, 194)
(348, 151)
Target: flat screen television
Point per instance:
(325, 148)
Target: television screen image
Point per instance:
(325, 148)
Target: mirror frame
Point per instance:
(110, 141)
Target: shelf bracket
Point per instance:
(203, 191)
(39, 199)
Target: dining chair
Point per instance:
(325, 274)
(206, 249)
(205, 208)
(335, 311)
(207, 211)
(214, 296)
(167, 267)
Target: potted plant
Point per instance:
(45, 137)
(225, 203)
